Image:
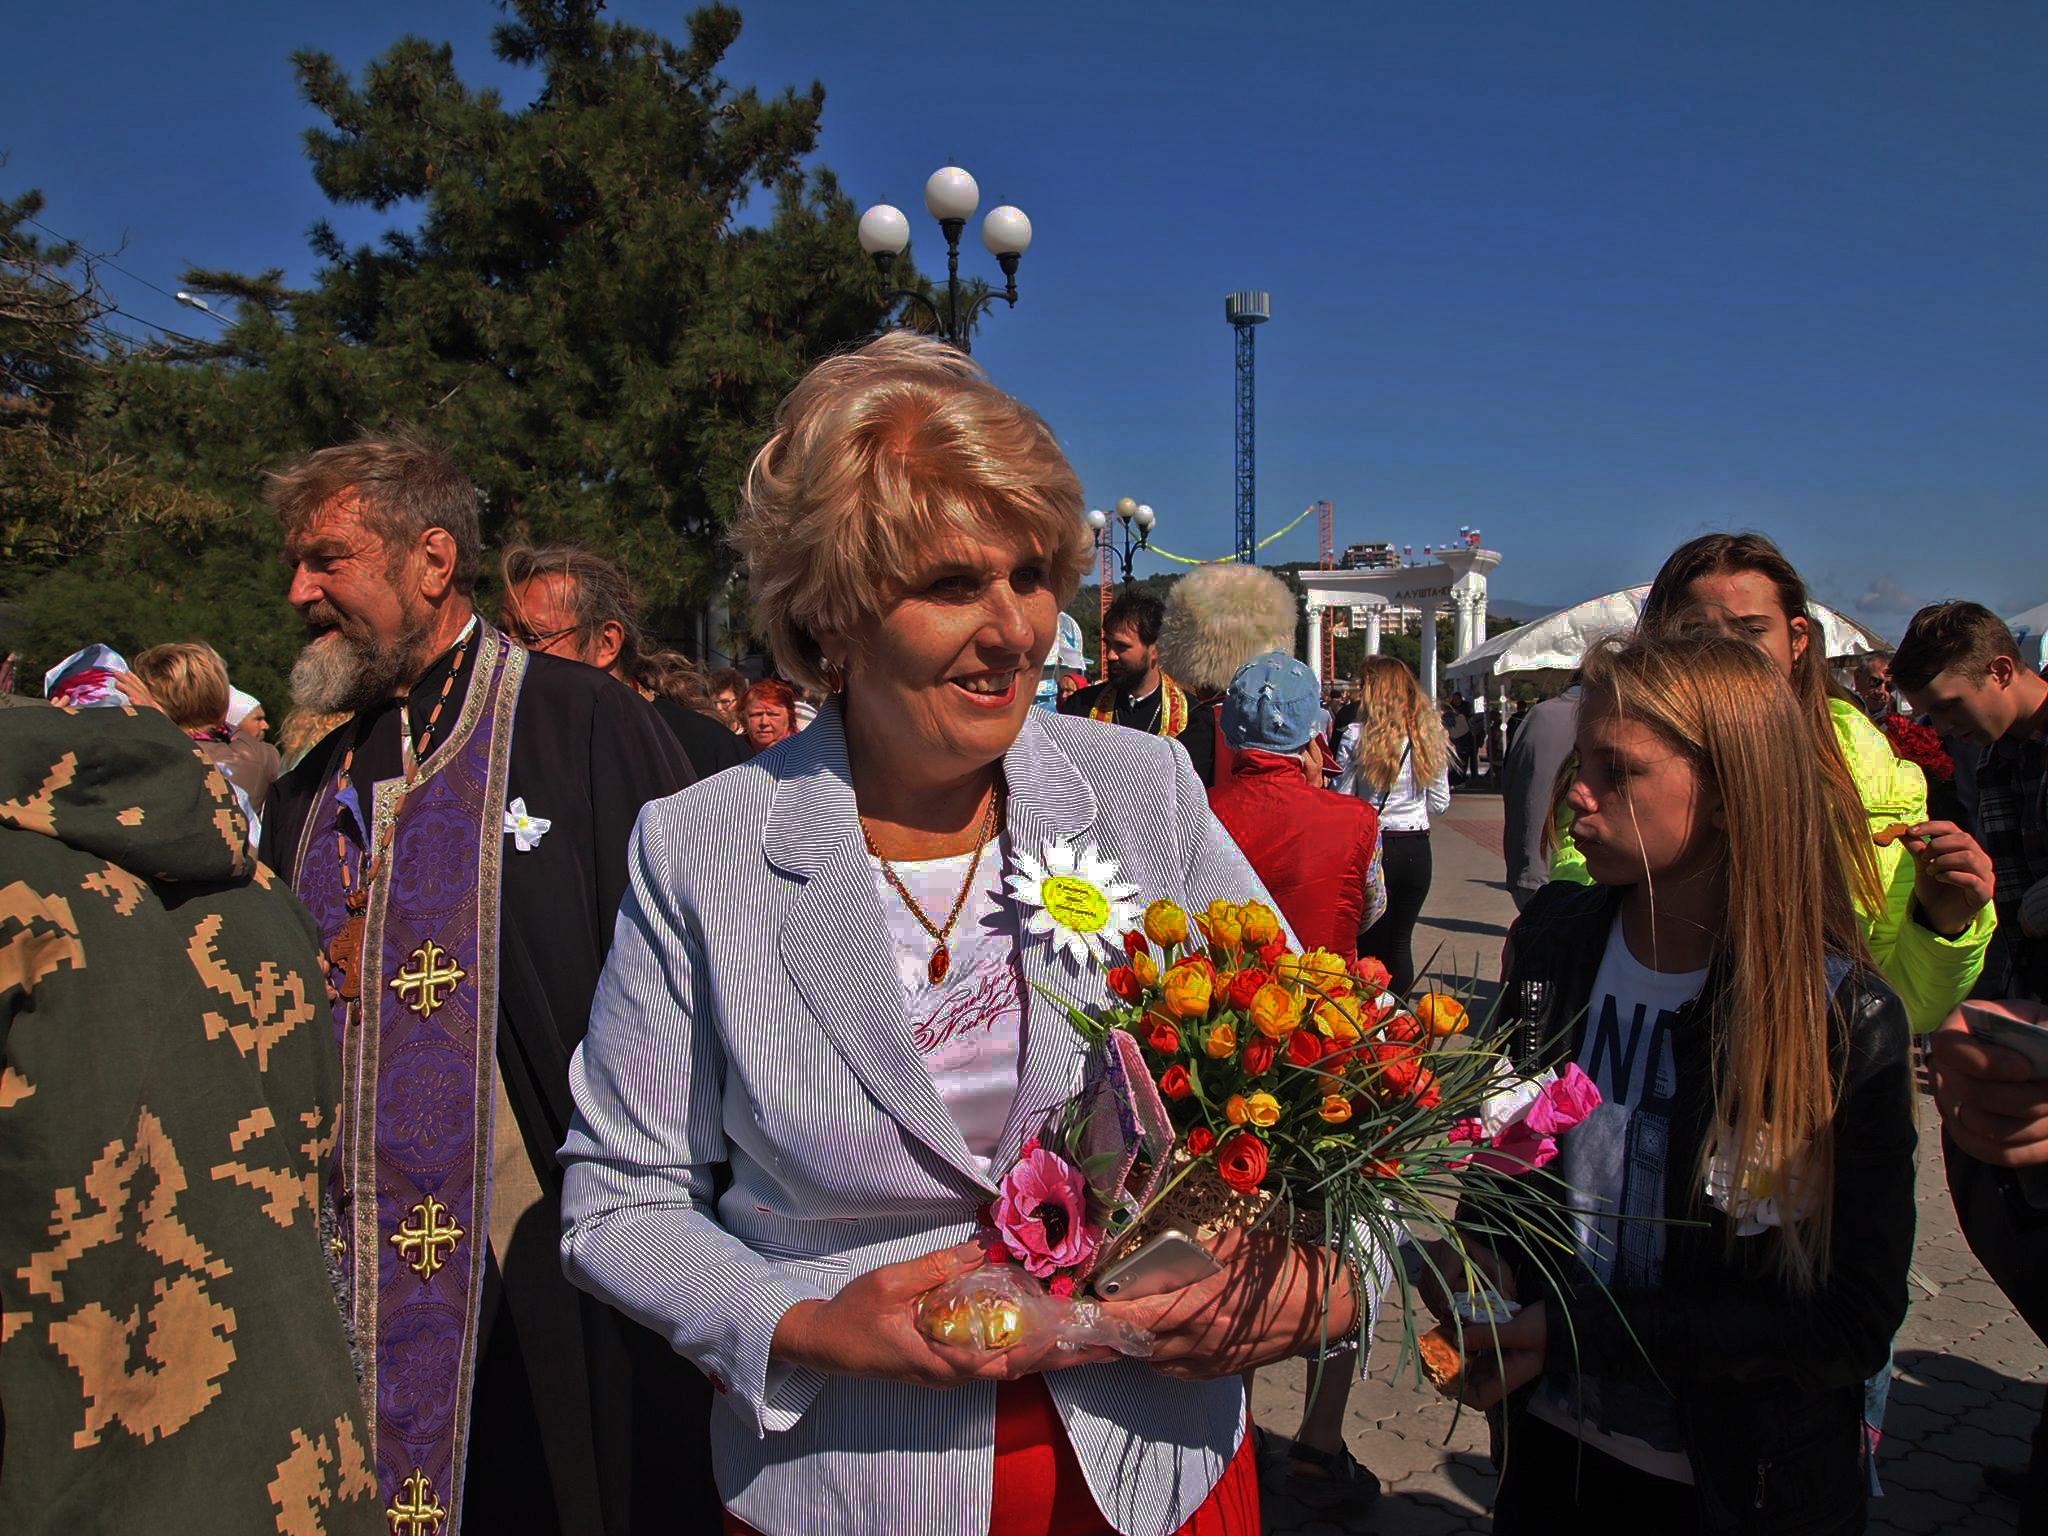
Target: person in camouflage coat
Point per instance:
(171, 1356)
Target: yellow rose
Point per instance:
(1335, 1022)
(1262, 1109)
(1260, 923)
(1222, 1041)
(1275, 1012)
(1440, 1013)
(1221, 923)
(1165, 923)
(1235, 1110)
(1146, 969)
(1186, 990)
(1336, 1109)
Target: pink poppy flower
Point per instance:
(1042, 1214)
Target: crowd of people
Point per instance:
(537, 1095)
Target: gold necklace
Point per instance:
(942, 954)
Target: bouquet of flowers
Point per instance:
(1917, 743)
(1234, 1081)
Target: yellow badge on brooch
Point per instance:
(1080, 904)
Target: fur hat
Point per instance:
(1217, 619)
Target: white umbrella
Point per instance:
(1559, 641)
(2031, 630)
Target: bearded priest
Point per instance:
(461, 842)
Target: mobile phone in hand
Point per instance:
(1998, 1024)
(1166, 1263)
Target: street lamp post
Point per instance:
(951, 197)
(1129, 514)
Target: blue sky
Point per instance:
(1594, 278)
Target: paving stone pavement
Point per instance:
(1968, 1378)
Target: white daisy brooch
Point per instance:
(1080, 904)
(527, 831)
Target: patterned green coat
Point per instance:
(171, 1358)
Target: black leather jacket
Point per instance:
(1769, 1383)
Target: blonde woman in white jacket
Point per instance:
(1395, 758)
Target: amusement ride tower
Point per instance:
(1244, 309)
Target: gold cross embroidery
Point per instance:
(422, 1237)
(416, 1511)
(430, 968)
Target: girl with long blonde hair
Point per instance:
(1395, 758)
(1745, 1189)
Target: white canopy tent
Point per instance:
(1558, 642)
(2031, 630)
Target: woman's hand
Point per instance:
(1443, 1268)
(870, 1329)
(1265, 1304)
(1503, 1357)
(1951, 875)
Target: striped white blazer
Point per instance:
(749, 1033)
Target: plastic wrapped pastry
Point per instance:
(1000, 1307)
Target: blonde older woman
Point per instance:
(820, 1039)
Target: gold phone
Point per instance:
(1166, 1263)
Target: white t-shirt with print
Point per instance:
(970, 1027)
(1615, 1162)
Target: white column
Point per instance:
(1372, 631)
(1428, 667)
(1315, 640)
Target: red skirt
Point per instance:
(1039, 1489)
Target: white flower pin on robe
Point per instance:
(527, 831)
(1081, 904)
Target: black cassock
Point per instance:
(587, 753)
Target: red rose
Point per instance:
(1372, 975)
(1200, 1140)
(1272, 952)
(1164, 1038)
(1258, 1056)
(1173, 1082)
(1402, 1028)
(1303, 1049)
(1244, 986)
(1241, 1161)
(1123, 981)
(1134, 943)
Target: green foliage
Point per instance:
(608, 289)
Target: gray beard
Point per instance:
(338, 674)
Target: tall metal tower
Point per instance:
(1326, 534)
(1245, 309)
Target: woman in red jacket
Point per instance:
(1318, 853)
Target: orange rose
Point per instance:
(1336, 1109)
(1186, 991)
(1440, 1013)
(1241, 1161)
(1221, 923)
(1319, 971)
(1260, 923)
(1174, 1083)
(1165, 923)
(1221, 1041)
(1275, 1011)
(1200, 1140)
(1146, 969)
(1236, 1110)
(1337, 1023)
(1258, 1057)
(1124, 983)
(1262, 1109)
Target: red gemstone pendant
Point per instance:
(941, 958)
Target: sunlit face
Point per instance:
(1640, 809)
(541, 615)
(1979, 710)
(1745, 604)
(361, 608)
(940, 683)
(767, 722)
(1131, 661)
(255, 725)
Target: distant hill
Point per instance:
(1521, 613)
